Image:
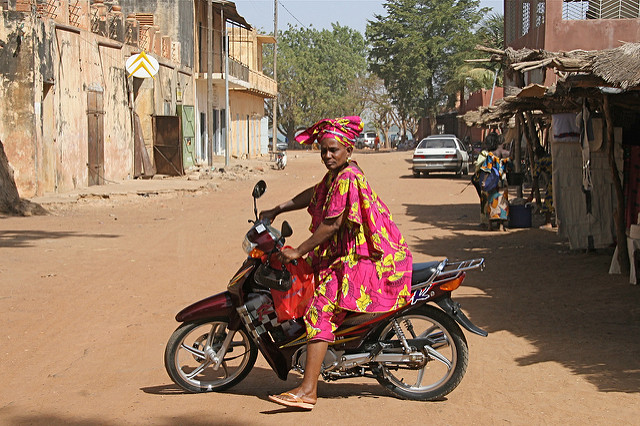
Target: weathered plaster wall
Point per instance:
(246, 112)
(157, 96)
(118, 131)
(17, 109)
(46, 160)
(175, 19)
(46, 72)
(70, 109)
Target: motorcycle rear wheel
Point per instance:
(188, 365)
(436, 377)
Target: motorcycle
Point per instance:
(417, 352)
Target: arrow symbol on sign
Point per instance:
(144, 62)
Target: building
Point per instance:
(566, 25)
(481, 98)
(71, 115)
(198, 25)
(566, 88)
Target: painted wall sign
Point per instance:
(142, 66)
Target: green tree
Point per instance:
(470, 78)
(491, 31)
(417, 47)
(318, 75)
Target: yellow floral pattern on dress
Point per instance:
(364, 300)
(345, 285)
(312, 314)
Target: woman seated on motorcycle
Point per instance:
(360, 260)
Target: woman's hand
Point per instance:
(268, 214)
(288, 255)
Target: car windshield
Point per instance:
(437, 143)
(371, 135)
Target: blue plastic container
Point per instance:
(520, 216)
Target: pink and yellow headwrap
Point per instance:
(344, 130)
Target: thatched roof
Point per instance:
(619, 67)
(582, 74)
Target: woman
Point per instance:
(490, 182)
(360, 260)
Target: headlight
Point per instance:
(247, 245)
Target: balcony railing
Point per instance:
(262, 84)
(238, 70)
(600, 9)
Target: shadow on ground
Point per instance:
(563, 302)
(21, 239)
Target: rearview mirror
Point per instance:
(286, 230)
(259, 189)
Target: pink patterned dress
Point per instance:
(366, 266)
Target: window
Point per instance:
(600, 9)
(438, 143)
(540, 11)
(526, 18)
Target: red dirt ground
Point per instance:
(88, 297)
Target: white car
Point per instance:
(440, 153)
(366, 139)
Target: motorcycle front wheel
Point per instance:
(188, 357)
(445, 360)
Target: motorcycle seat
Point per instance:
(423, 271)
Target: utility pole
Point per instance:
(209, 113)
(227, 142)
(274, 132)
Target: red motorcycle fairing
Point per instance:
(218, 305)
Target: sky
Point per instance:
(319, 13)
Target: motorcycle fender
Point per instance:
(218, 305)
(453, 309)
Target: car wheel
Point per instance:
(416, 173)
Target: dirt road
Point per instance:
(88, 297)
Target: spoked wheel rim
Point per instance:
(194, 357)
(441, 358)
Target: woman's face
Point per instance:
(334, 154)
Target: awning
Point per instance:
(230, 12)
(266, 39)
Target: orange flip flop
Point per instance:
(290, 400)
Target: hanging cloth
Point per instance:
(583, 120)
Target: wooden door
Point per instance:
(95, 119)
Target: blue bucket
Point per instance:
(520, 216)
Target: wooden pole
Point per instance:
(618, 213)
(227, 107)
(517, 155)
(534, 142)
